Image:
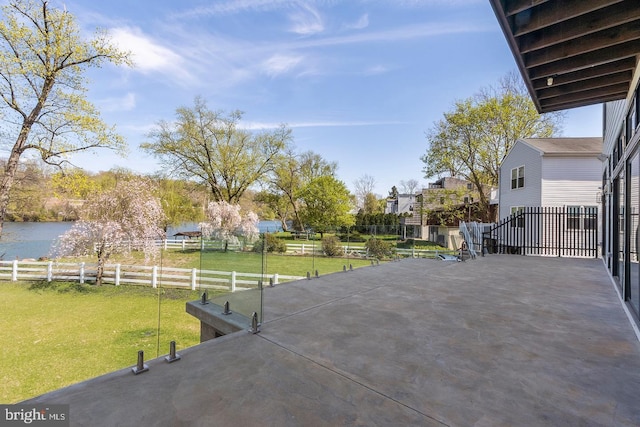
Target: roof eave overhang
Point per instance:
(572, 53)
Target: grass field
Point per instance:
(57, 334)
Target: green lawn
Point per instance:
(53, 336)
(293, 265)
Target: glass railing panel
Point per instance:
(85, 330)
(233, 273)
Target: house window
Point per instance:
(573, 217)
(582, 217)
(632, 120)
(517, 177)
(517, 215)
(469, 186)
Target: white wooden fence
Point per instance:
(153, 276)
(297, 248)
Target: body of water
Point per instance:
(34, 239)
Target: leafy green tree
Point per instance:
(210, 147)
(42, 90)
(182, 201)
(73, 184)
(472, 139)
(371, 205)
(293, 172)
(29, 194)
(327, 204)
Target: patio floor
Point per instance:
(497, 341)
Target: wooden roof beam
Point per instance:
(626, 65)
(602, 39)
(612, 92)
(547, 108)
(589, 59)
(517, 6)
(553, 12)
(612, 82)
(617, 14)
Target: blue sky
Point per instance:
(358, 81)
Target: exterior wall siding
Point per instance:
(582, 188)
(613, 117)
(520, 154)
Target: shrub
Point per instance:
(273, 244)
(354, 236)
(331, 246)
(378, 248)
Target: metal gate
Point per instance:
(552, 231)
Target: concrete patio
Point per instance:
(498, 341)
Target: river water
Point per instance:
(34, 239)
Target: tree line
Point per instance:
(206, 155)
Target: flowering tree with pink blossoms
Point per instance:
(125, 218)
(226, 222)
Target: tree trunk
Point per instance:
(99, 272)
(8, 177)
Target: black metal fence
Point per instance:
(552, 231)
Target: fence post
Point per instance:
(117, 275)
(275, 279)
(154, 277)
(165, 244)
(81, 272)
(233, 281)
(183, 244)
(50, 271)
(193, 279)
(14, 271)
(302, 248)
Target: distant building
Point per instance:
(551, 172)
(403, 204)
(437, 210)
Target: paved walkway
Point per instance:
(499, 341)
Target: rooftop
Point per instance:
(566, 146)
(572, 53)
(414, 342)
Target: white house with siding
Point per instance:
(551, 172)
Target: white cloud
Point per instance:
(124, 103)
(376, 70)
(280, 64)
(306, 21)
(149, 55)
(266, 125)
(360, 24)
(236, 6)
(407, 32)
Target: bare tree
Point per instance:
(409, 186)
(363, 186)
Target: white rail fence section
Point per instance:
(153, 276)
(295, 248)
